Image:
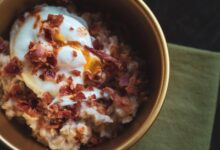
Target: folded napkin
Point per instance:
(186, 119)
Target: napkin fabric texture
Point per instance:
(187, 116)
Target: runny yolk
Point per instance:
(59, 37)
(93, 65)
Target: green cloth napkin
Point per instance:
(186, 119)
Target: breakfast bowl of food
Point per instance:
(80, 74)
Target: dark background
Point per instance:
(194, 23)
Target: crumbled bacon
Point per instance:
(36, 53)
(90, 88)
(4, 46)
(49, 124)
(71, 28)
(40, 58)
(103, 56)
(124, 80)
(48, 75)
(54, 20)
(51, 60)
(14, 67)
(76, 72)
(96, 80)
(74, 54)
(79, 96)
(89, 79)
(37, 20)
(60, 77)
(105, 102)
(48, 34)
(76, 110)
(21, 19)
(95, 29)
(131, 87)
(16, 91)
(120, 101)
(36, 10)
(47, 98)
(94, 140)
(25, 107)
(79, 87)
(97, 45)
(65, 90)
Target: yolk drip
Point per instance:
(93, 65)
(59, 37)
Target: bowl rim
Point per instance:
(147, 124)
(148, 14)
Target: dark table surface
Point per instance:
(194, 23)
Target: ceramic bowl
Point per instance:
(146, 37)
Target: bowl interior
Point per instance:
(145, 39)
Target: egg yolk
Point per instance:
(93, 65)
(59, 37)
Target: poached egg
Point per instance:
(73, 29)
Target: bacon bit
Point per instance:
(79, 87)
(25, 107)
(76, 110)
(131, 87)
(44, 124)
(37, 20)
(71, 28)
(79, 133)
(105, 102)
(97, 45)
(36, 53)
(54, 20)
(102, 55)
(88, 78)
(90, 88)
(120, 101)
(63, 114)
(74, 54)
(16, 91)
(124, 80)
(31, 45)
(92, 97)
(76, 72)
(96, 80)
(79, 96)
(94, 140)
(69, 80)
(40, 58)
(4, 46)
(48, 34)
(51, 60)
(21, 19)
(36, 10)
(65, 90)
(14, 67)
(47, 98)
(60, 77)
(94, 29)
(48, 75)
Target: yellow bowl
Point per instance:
(146, 38)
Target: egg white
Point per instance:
(23, 33)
